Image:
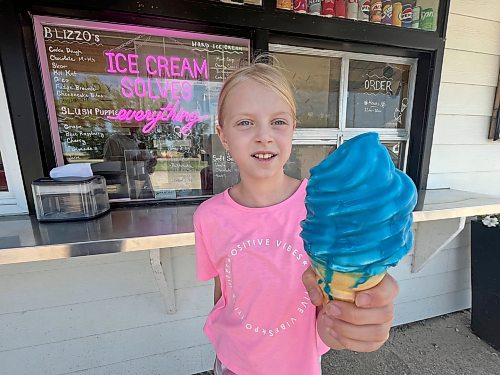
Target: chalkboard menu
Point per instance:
(111, 88)
(378, 95)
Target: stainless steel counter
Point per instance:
(24, 239)
(441, 204)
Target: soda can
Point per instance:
(328, 8)
(300, 6)
(397, 9)
(376, 11)
(415, 20)
(284, 4)
(352, 9)
(364, 10)
(340, 8)
(407, 14)
(427, 19)
(314, 6)
(387, 12)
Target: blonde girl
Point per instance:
(268, 316)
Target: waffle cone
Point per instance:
(343, 284)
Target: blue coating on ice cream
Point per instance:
(359, 210)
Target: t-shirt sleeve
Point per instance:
(205, 269)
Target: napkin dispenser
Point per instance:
(70, 198)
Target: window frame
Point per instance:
(336, 136)
(12, 201)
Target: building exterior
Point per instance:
(104, 314)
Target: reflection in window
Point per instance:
(304, 157)
(378, 95)
(397, 152)
(3, 178)
(141, 106)
(317, 84)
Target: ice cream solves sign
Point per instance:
(102, 78)
(154, 87)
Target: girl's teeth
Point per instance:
(264, 156)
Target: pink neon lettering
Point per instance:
(148, 67)
(174, 66)
(138, 84)
(117, 63)
(174, 89)
(132, 63)
(170, 112)
(186, 66)
(141, 88)
(127, 89)
(157, 66)
(152, 95)
(200, 70)
(111, 68)
(163, 67)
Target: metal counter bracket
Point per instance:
(429, 241)
(164, 280)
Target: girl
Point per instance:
(265, 319)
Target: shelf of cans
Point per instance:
(413, 14)
(249, 2)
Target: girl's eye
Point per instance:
(279, 122)
(244, 123)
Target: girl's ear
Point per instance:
(222, 138)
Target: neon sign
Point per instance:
(170, 112)
(161, 84)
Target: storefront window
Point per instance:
(397, 152)
(356, 93)
(304, 157)
(3, 179)
(378, 95)
(317, 84)
(138, 103)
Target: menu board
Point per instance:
(154, 86)
(378, 95)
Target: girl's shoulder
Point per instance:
(209, 207)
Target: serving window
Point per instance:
(139, 104)
(342, 94)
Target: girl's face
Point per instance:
(257, 130)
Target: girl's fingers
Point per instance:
(375, 333)
(350, 313)
(311, 284)
(380, 295)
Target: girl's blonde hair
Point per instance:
(265, 74)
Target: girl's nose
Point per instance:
(263, 134)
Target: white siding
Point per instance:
(102, 315)
(441, 287)
(462, 157)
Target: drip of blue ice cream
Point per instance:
(359, 210)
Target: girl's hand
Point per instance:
(362, 326)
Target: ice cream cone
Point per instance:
(344, 285)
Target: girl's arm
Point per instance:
(217, 290)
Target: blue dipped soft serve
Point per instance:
(359, 217)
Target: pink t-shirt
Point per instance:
(264, 322)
